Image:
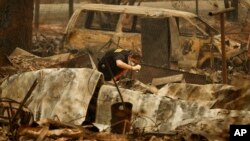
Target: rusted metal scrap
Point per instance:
(9, 108)
(14, 116)
(192, 43)
(45, 45)
(236, 101)
(136, 85)
(169, 79)
(146, 74)
(25, 61)
(210, 128)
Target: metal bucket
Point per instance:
(121, 115)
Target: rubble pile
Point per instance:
(52, 129)
(46, 45)
(66, 97)
(22, 61)
(63, 100)
(47, 94)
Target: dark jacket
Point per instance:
(109, 61)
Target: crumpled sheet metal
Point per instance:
(143, 104)
(60, 93)
(216, 96)
(156, 113)
(232, 45)
(237, 101)
(213, 129)
(194, 92)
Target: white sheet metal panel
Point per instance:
(144, 105)
(158, 113)
(60, 93)
(194, 92)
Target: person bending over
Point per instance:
(116, 62)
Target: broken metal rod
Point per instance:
(112, 75)
(224, 63)
(222, 11)
(21, 106)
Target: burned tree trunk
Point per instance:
(15, 26)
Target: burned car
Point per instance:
(167, 38)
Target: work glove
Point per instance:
(136, 68)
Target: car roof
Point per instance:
(138, 10)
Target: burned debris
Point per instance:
(149, 113)
(55, 92)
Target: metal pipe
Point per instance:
(223, 52)
(113, 78)
(212, 13)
